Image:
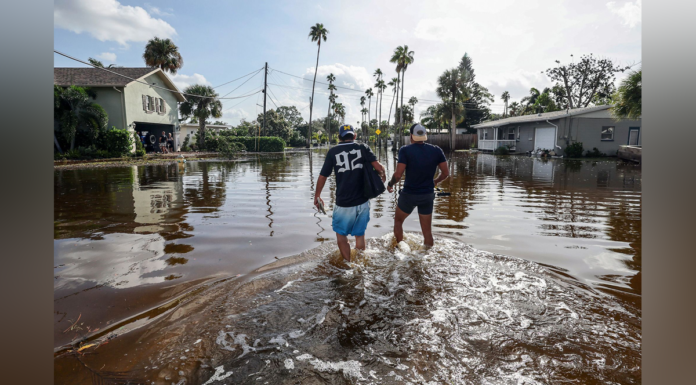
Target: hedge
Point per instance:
(265, 143)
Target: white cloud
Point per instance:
(182, 81)
(156, 11)
(630, 12)
(109, 57)
(235, 115)
(109, 20)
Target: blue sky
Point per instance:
(510, 42)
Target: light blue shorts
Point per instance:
(351, 220)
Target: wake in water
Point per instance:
(451, 314)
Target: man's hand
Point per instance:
(318, 199)
(390, 188)
(382, 175)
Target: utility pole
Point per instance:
(265, 78)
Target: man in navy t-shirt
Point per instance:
(352, 210)
(420, 160)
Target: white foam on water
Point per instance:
(218, 375)
(287, 285)
(289, 364)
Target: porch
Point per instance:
(489, 139)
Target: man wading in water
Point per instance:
(352, 210)
(420, 160)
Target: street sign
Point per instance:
(378, 132)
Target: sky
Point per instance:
(511, 44)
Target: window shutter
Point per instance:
(144, 103)
(157, 107)
(164, 106)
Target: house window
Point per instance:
(161, 106)
(150, 103)
(510, 134)
(485, 134)
(608, 133)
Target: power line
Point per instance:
(257, 71)
(269, 96)
(141, 82)
(245, 99)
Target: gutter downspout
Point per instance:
(555, 139)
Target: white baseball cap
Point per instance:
(419, 133)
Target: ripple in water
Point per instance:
(451, 314)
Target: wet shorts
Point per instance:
(351, 220)
(424, 202)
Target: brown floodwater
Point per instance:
(134, 244)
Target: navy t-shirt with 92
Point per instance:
(421, 162)
(346, 160)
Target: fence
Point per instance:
(461, 141)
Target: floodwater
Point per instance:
(535, 277)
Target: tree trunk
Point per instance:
(453, 125)
(390, 110)
(369, 105)
(201, 133)
(379, 118)
(401, 112)
(55, 140)
(328, 119)
(311, 101)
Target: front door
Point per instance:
(633, 136)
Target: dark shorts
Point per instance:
(424, 202)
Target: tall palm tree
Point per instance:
(99, 64)
(381, 86)
(403, 57)
(529, 101)
(628, 98)
(515, 108)
(331, 78)
(163, 53)
(203, 105)
(378, 74)
(505, 97)
(453, 91)
(413, 101)
(73, 109)
(394, 83)
(369, 95)
(316, 33)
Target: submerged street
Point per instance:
(535, 276)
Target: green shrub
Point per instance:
(265, 143)
(139, 148)
(116, 142)
(297, 141)
(502, 150)
(595, 153)
(212, 141)
(185, 145)
(574, 150)
(229, 148)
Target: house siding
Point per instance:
(134, 103)
(110, 100)
(588, 132)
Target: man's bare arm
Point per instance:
(444, 173)
(321, 181)
(398, 173)
(380, 170)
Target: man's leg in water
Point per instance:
(399, 219)
(360, 242)
(343, 246)
(426, 227)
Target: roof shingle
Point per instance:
(96, 76)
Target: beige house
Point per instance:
(188, 130)
(130, 103)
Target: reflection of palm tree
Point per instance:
(316, 33)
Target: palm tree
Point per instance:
(628, 98)
(73, 108)
(369, 95)
(529, 101)
(413, 101)
(163, 53)
(381, 86)
(505, 97)
(378, 74)
(316, 33)
(403, 57)
(364, 112)
(515, 108)
(200, 107)
(331, 78)
(99, 64)
(394, 83)
(453, 92)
